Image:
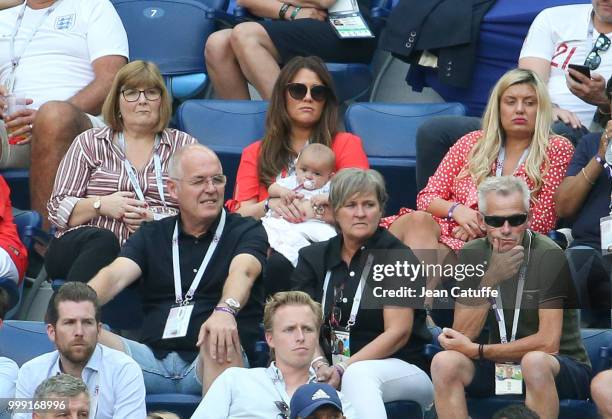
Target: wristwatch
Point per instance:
(97, 204)
(233, 304)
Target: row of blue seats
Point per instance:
(151, 29)
(24, 340)
(388, 132)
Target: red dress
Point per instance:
(446, 185)
(347, 148)
(9, 238)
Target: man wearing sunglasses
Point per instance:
(530, 331)
(199, 273)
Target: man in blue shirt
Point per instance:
(584, 198)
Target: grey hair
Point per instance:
(175, 170)
(60, 386)
(504, 186)
(348, 182)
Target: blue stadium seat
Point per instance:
(226, 126)
(24, 340)
(388, 132)
(27, 223)
(172, 34)
(19, 183)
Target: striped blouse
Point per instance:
(93, 166)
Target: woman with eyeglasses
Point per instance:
(113, 179)
(516, 139)
(376, 346)
(303, 109)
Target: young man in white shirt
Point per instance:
(114, 380)
(292, 321)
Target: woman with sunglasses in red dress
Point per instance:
(303, 109)
(516, 139)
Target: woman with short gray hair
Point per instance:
(375, 351)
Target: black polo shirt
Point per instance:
(151, 248)
(309, 276)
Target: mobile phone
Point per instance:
(582, 69)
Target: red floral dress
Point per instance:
(446, 185)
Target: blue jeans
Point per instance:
(169, 375)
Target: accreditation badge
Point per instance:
(178, 321)
(347, 21)
(508, 379)
(341, 345)
(605, 224)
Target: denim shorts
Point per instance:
(168, 375)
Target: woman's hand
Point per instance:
(133, 219)
(290, 212)
(311, 13)
(467, 218)
(328, 374)
(287, 196)
(117, 204)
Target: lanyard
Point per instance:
(502, 157)
(358, 292)
(176, 267)
(130, 170)
(497, 304)
(15, 59)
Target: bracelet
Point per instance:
(600, 161)
(226, 310)
(602, 112)
(283, 11)
(586, 177)
(340, 370)
(267, 205)
(481, 352)
(319, 358)
(295, 12)
(451, 210)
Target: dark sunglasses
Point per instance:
(602, 43)
(514, 220)
(318, 92)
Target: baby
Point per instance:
(313, 171)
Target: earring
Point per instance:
(120, 116)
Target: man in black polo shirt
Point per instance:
(197, 270)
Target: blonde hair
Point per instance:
(484, 153)
(132, 75)
(285, 298)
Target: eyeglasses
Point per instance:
(284, 409)
(216, 180)
(132, 95)
(602, 43)
(514, 220)
(318, 92)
